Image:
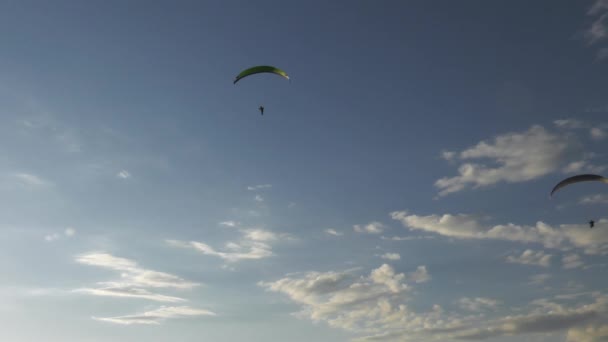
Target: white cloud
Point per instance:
(391, 256)
(569, 123)
(361, 304)
(68, 233)
(597, 133)
(129, 292)
(31, 180)
(333, 232)
(254, 244)
(259, 198)
(478, 304)
(157, 316)
(132, 275)
(370, 228)
(52, 237)
(462, 226)
(408, 238)
(594, 199)
(530, 257)
(571, 261)
(230, 224)
(259, 187)
(539, 279)
(519, 157)
(123, 174)
(598, 30)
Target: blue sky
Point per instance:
(395, 190)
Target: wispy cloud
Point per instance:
(571, 261)
(530, 257)
(478, 304)
(333, 232)
(594, 199)
(31, 180)
(391, 256)
(408, 238)
(259, 187)
(520, 156)
(258, 198)
(123, 174)
(539, 279)
(68, 233)
(370, 228)
(254, 244)
(157, 316)
(463, 226)
(134, 279)
(597, 133)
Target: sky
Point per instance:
(396, 189)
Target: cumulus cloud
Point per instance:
(370, 228)
(391, 256)
(259, 187)
(462, 226)
(514, 157)
(340, 299)
(254, 244)
(530, 257)
(478, 304)
(571, 261)
(333, 232)
(157, 316)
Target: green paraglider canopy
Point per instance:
(578, 178)
(261, 69)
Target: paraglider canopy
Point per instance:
(261, 69)
(577, 179)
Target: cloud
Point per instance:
(408, 238)
(157, 316)
(602, 54)
(571, 261)
(478, 304)
(594, 199)
(370, 228)
(132, 275)
(597, 133)
(259, 187)
(259, 198)
(539, 279)
(598, 30)
(342, 300)
(333, 232)
(31, 180)
(123, 174)
(529, 257)
(518, 157)
(391, 256)
(254, 244)
(462, 226)
(569, 123)
(129, 292)
(68, 233)
(590, 333)
(231, 224)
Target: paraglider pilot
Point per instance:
(261, 109)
